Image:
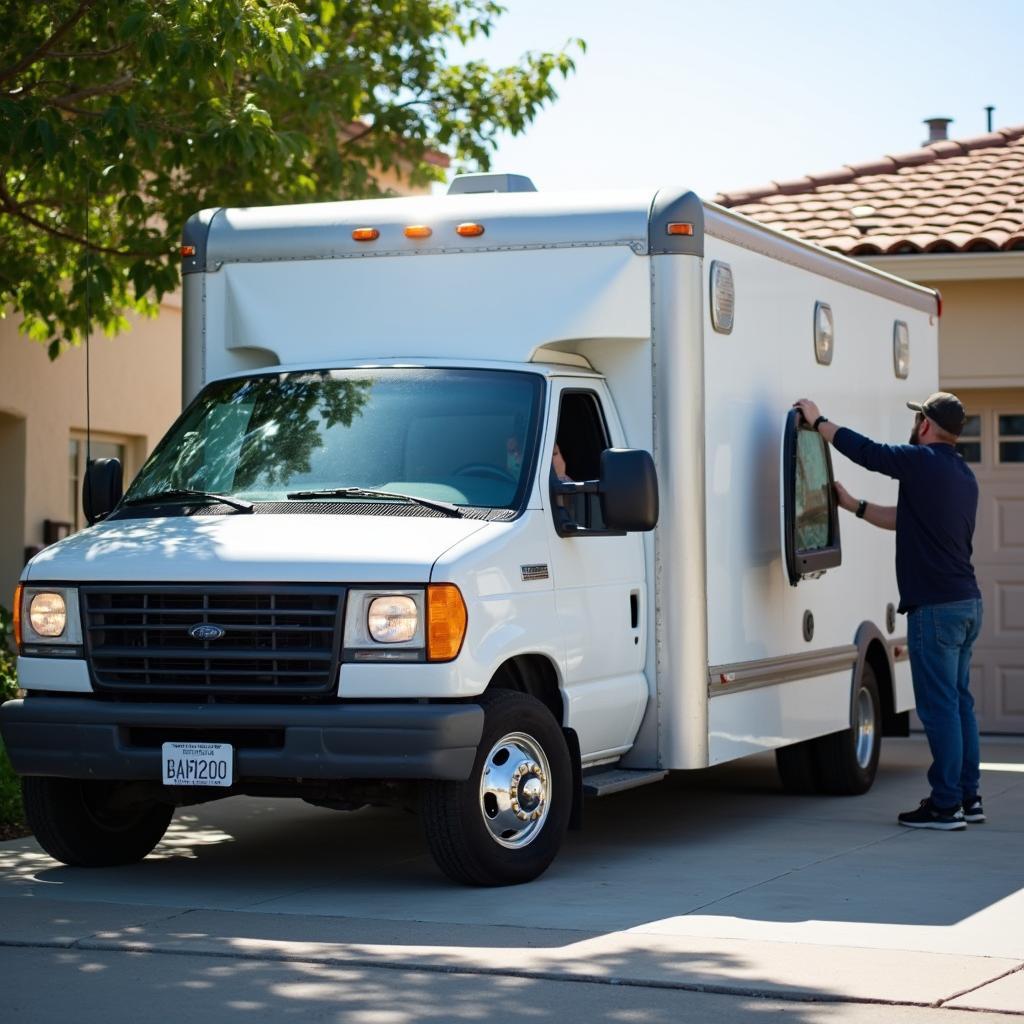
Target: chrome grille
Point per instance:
(280, 639)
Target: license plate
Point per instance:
(197, 764)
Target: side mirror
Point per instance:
(102, 488)
(628, 490)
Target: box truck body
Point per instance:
(385, 592)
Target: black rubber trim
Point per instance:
(83, 738)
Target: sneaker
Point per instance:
(973, 811)
(950, 819)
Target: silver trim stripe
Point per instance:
(752, 675)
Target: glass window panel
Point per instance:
(459, 436)
(1012, 425)
(1011, 451)
(972, 427)
(812, 492)
(970, 450)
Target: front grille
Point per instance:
(277, 641)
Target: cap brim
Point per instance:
(916, 406)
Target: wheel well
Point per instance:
(878, 659)
(532, 674)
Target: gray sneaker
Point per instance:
(973, 811)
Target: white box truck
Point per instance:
(479, 503)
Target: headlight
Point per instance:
(384, 625)
(393, 619)
(48, 614)
(50, 621)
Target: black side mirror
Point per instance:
(102, 488)
(628, 490)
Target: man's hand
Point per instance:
(808, 410)
(846, 500)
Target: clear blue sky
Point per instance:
(721, 94)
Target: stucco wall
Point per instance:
(136, 393)
(981, 334)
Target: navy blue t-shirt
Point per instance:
(935, 514)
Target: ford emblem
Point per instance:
(206, 631)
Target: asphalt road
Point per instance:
(711, 896)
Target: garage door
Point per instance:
(994, 445)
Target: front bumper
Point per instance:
(84, 738)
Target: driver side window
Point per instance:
(580, 438)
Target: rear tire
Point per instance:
(505, 824)
(847, 761)
(85, 824)
(798, 768)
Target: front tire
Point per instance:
(90, 823)
(505, 824)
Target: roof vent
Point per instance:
(937, 129)
(472, 184)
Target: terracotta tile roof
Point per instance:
(951, 196)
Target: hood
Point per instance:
(254, 549)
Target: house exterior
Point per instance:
(949, 215)
(136, 395)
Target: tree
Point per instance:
(120, 118)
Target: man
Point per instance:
(934, 523)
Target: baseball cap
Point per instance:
(944, 409)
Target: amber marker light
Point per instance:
(446, 621)
(365, 234)
(470, 230)
(679, 228)
(187, 250)
(17, 615)
(418, 231)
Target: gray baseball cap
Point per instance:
(944, 409)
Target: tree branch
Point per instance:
(10, 205)
(96, 90)
(85, 54)
(40, 51)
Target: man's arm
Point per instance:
(882, 516)
(891, 459)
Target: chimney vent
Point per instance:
(937, 129)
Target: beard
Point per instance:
(915, 436)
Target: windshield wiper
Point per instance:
(199, 497)
(361, 492)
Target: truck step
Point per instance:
(605, 781)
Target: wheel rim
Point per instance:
(864, 726)
(515, 790)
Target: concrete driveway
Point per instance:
(710, 896)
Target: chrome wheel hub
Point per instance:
(514, 790)
(864, 727)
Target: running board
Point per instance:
(615, 780)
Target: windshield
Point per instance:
(459, 436)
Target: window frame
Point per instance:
(998, 438)
(564, 526)
(806, 564)
(978, 439)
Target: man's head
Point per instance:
(940, 418)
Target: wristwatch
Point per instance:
(862, 507)
(818, 422)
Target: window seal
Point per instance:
(801, 565)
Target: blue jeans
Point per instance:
(940, 639)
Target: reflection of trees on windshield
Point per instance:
(289, 419)
(253, 433)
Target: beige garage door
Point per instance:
(994, 445)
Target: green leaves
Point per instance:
(117, 124)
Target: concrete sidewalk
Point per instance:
(714, 882)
